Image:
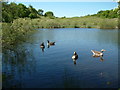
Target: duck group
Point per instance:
(42, 46)
(95, 54)
(75, 55)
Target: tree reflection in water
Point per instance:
(16, 62)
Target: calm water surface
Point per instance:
(28, 66)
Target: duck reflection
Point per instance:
(42, 49)
(74, 62)
(101, 58)
(75, 57)
(48, 46)
(42, 46)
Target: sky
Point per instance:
(72, 9)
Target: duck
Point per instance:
(42, 45)
(98, 53)
(50, 43)
(75, 56)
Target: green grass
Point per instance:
(75, 22)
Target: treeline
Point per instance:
(14, 11)
(11, 11)
(107, 13)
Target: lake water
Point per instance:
(29, 67)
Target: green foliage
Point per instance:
(40, 12)
(49, 14)
(23, 11)
(33, 15)
(15, 32)
(107, 13)
(13, 11)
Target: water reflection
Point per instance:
(100, 58)
(15, 65)
(48, 46)
(74, 62)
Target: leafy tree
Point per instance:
(11, 11)
(32, 10)
(107, 13)
(23, 11)
(49, 14)
(40, 12)
(32, 15)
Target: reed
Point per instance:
(75, 22)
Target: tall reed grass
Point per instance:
(75, 22)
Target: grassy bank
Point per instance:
(16, 32)
(75, 22)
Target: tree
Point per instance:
(32, 10)
(32, 15)
(49, 14)
(23, 11)
(40, 12)
(13, 9)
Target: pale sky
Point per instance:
(70, 8)
(62, 0)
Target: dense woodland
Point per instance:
(11, 11)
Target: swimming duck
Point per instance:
(42, 45)
(97, 53)
(50, 43)
(75, 56)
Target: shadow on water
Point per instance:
(15, 64)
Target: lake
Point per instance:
(27, 66)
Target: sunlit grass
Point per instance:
(76, 22)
